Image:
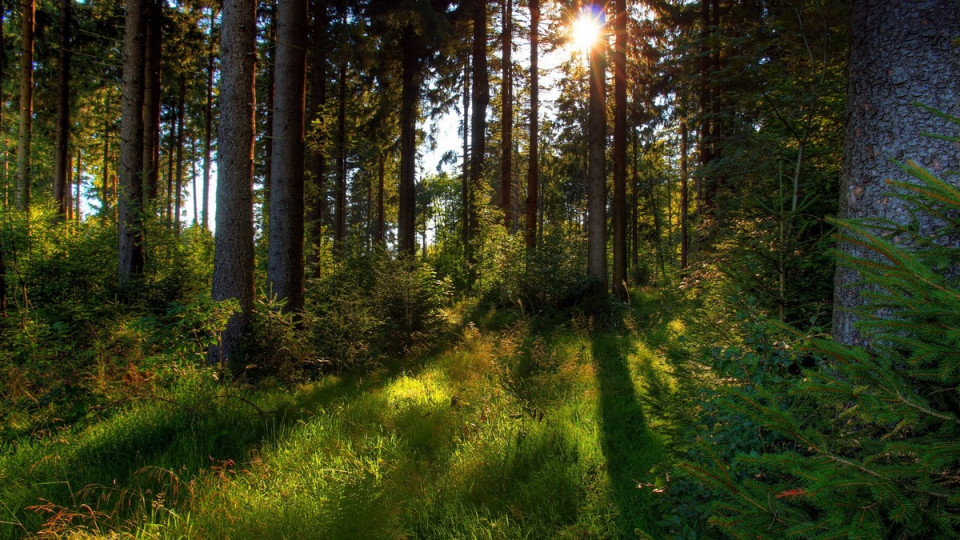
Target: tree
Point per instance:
(410, 96)
(26, 106)
(153, 36)
(620, 149)
(533, 170)
(596, 168)
(61, 186)
(478, 122)
(208, 124)
(506, 124)
(130, 211)
(285, 256)
(897, 57)
(317, 62)
(233, 252)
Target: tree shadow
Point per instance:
(631, 449)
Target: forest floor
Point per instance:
(516, 427)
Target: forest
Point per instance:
(480, 269)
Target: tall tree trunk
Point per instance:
(620, 150)
(897, 56)
(478, 121)
(233, 264)
(60, 165)
(151, 99)
(465, 175)
(506, 123)
(106, 198)
(67, 191)
(340, 196)
(178, 179)
(315, 153)
(635, 210)
(378, 236)
(285, 256)
(208, 125)
(596, 169)
(171, 151)
(533, 169)
(684, 247)
(130, 218)
(410, 93)
(705, 184)
(26, 107)
(79, 181)
(271, 69)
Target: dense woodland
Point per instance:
(458, 269)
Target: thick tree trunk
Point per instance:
(208, 127)
(899, 55)
(60, 165)
(596, 170)
(620, 150)
(408, 143)
(315, 153)
(130, 205)
(478, 121)
(153, 32)
(533, 169)
(506, 123)
(26, 107)
(285, 256)
(233, 264)
(340, 195)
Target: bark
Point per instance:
(178, 179)
(130, 217)
(233, 264)
(596, 172)
(340, 195)
(67, 191)
(208, 126)
(79, 182)
(899, 55)
(478, 121)
(26, 107)
(378, 237)
(533, 169)
(704, 188)
(506, 124)
(465, 175)
(620, 150)
(285, 260)
(106, 199)
(684, 247)
(271, 69)
(410, 92)
(62, 144)
(153, 31)
(315, 156)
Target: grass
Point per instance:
(524, 429)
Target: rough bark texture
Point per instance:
(478, 120)
(596, 170)
(26, 106)
(60, 165)
(533, 169)
(153, 32)
(900, 53)
(233, 253)
(315, 155)
(130, 208)
(506, 124)
(620, 149)
(408, 143)
(285, 256)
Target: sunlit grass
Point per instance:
(514, 431)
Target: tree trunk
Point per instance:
(533, 169)
(705, 184)
(596, 170)
(684, 248)
(26, 107)
(130, 218)
(340, 196)
(233, 264)
(271, 69)
(378, 237)
(315, 154)
(208, 126)
(897, 57)
(67, 191)
(106, 199)
(506, 123)
(171, 150)
(153, 32)
(60, 165)
(465, 175)
(178, 179)
(285, 256)
(635, 210)
(79, 181)
(408, 142)
(478, 121)
(620, 150)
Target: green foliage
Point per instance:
(865, 444)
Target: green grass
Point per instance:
(527, 429)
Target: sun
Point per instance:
(586, 30)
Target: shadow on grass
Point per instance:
(630, 448)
